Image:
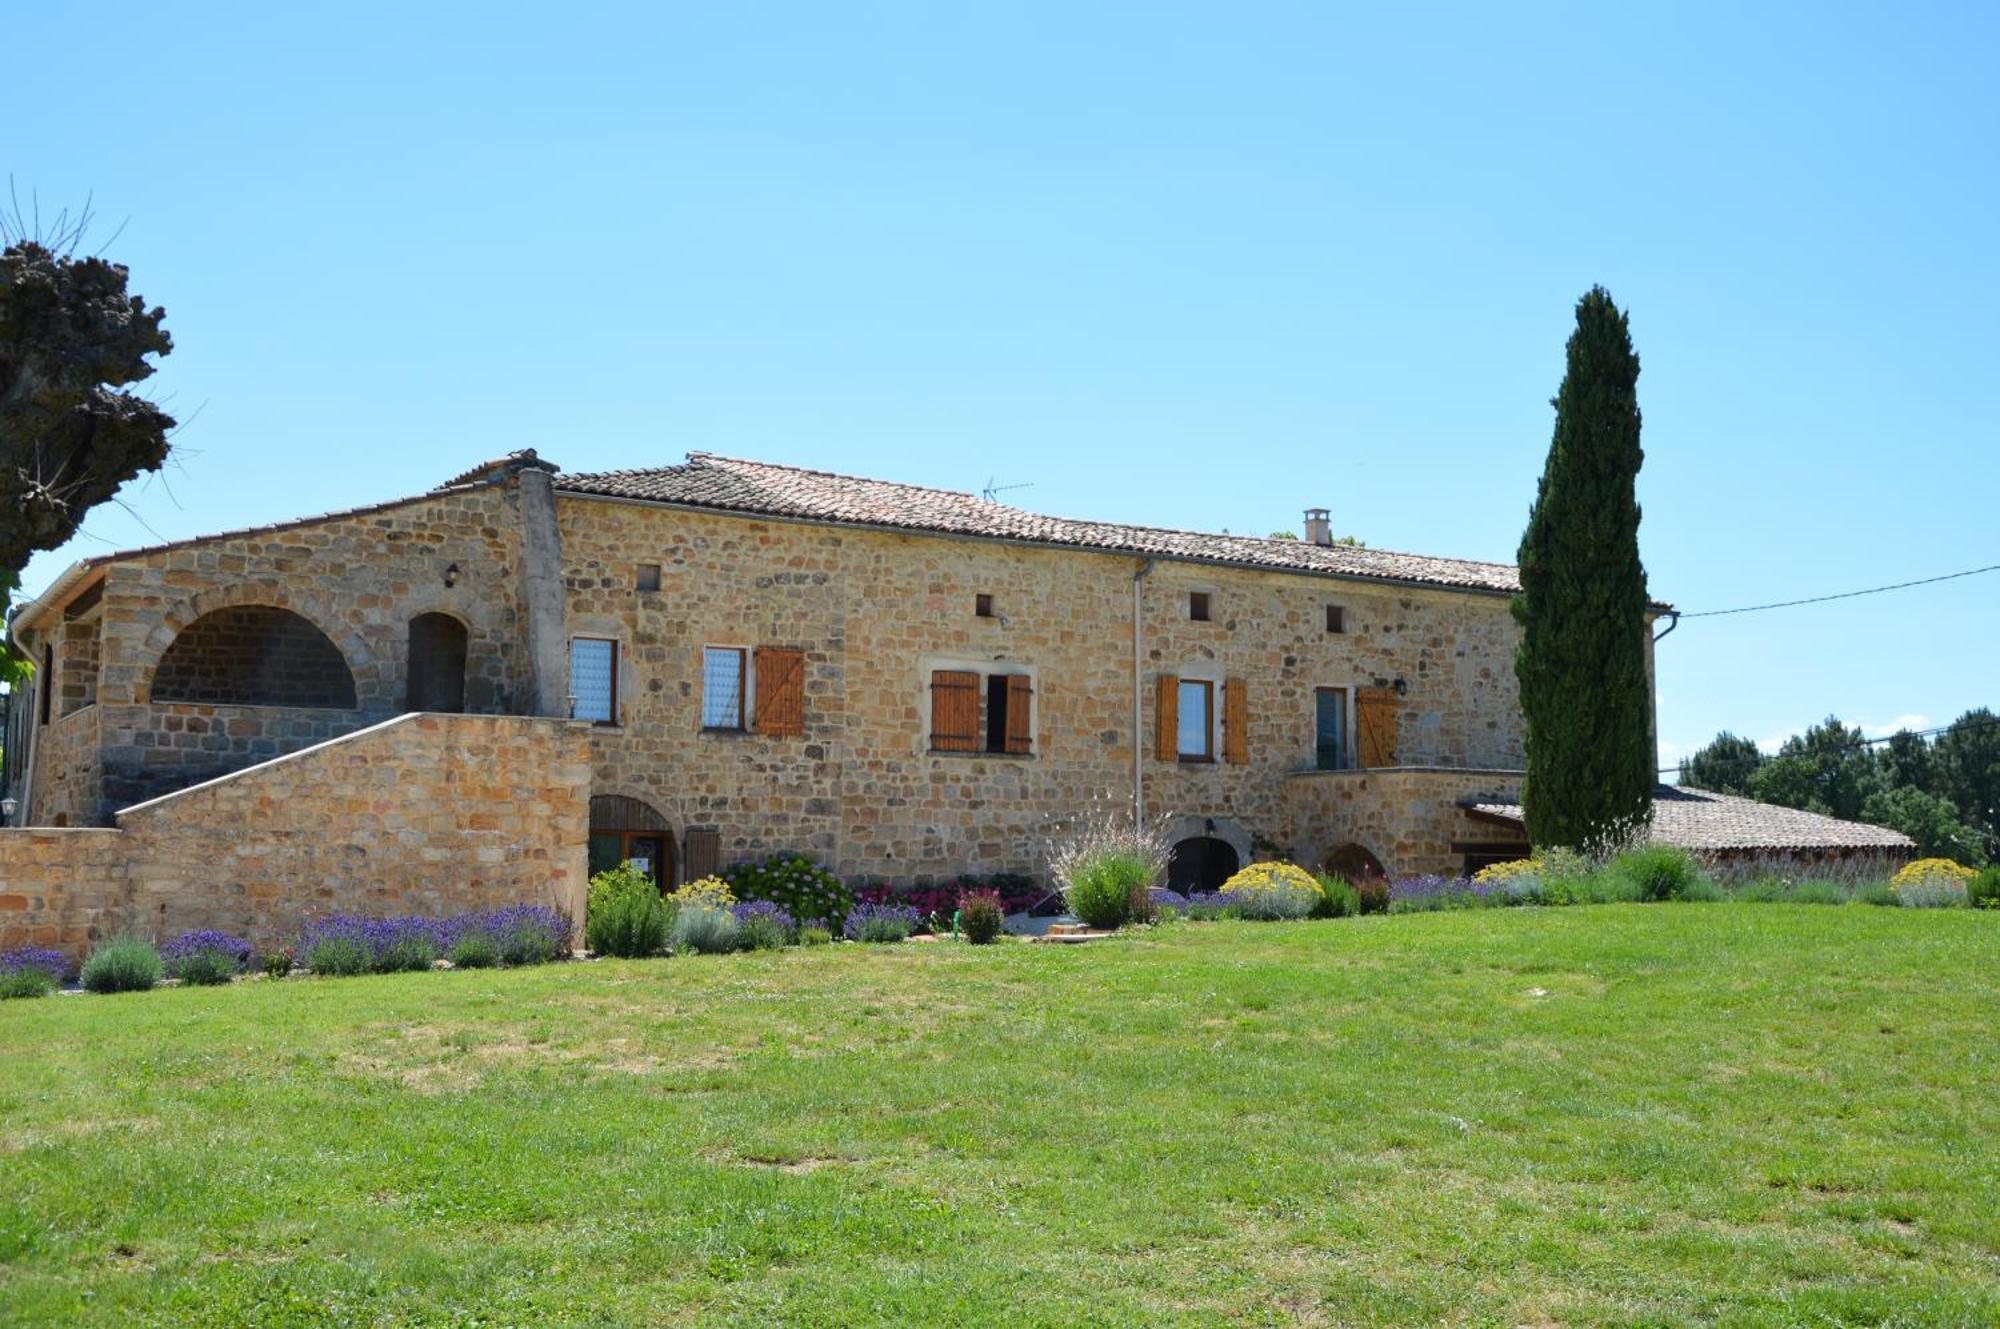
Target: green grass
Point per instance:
(1659, 1114)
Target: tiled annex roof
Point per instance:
(1697, 820)
(732, 485)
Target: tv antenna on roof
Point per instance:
(992, 489)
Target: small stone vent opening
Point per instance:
(254, 655)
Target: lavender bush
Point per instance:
(1412, 895)
(30, 971)
(518, 934)
(880, 922)
(762, 925)
(1210, 905)
(205, 958)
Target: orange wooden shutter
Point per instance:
(1235, 723)
(954, 711)
(781, 691)
(1020, 733)
(704, 852)
(1167, 719)
(1375, 726)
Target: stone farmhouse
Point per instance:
(476, 695)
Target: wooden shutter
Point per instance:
(1375, 726)
(1020, 734)
(1235, 723)
(1167, 719)
(704, 852)
(954, 711)
(781, 691)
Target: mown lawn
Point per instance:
(1662, 1114)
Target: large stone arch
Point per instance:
(1226, 829)
(176, 618)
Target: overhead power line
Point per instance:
(1844, 595)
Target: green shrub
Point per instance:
(278, 963)
(407, 954)
(1658, 872)
(1371, 894)
(125, 965)
(339, 957)
(1099, 888)
(1876, 892)
(1783, 890)
(624, 915)
(1983, 891)
(814, 935)
(806, 890)
(206, 968)
(475, 950)
(1273, 901)
(1338, 898)
(27, 981)
(761, 932)
(980, 918)
(703, 930)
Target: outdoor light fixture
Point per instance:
(7, 806)
(451, 576)
(1402, 687)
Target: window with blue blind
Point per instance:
(722, 679)
(593, 679)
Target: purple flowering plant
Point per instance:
(205, 957)
(31, 971)
(880, 922)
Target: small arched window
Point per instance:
(436, 679)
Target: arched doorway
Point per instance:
(436, 675)
(1353, 864)
(254, 655)
(1201, 863)
(627, 830)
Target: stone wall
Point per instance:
(67, 771)
(1408, 819)
(358, 578)
(876, 613)
(425, 814)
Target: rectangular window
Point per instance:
(982, 606)
(1336, 619)
(722, 687)
(648, 578)
(46, 684)
(1007, 714)
(593, 680)
(1198, 606)
(1330, 729)
(954, 711)
(1197, 726)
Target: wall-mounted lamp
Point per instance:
(451, 576)
(7, 806)
(1402, 687)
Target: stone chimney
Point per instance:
(1319, 530)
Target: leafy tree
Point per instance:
(1968, 755)
(1724, 766)
(71, 337)
(1284, 535)
(1582, 606)
(1908, 761)
(1929, 820)
(1827, 769)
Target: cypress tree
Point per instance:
(1581, 661)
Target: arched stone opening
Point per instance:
(1352, 863)
(254, 655)
(1201, 863)
(625, 830)
(435, 677)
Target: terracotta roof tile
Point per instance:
(1699, 820)
(733, 485)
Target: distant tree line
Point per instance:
(1942, 793)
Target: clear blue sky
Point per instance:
(1197, 266)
